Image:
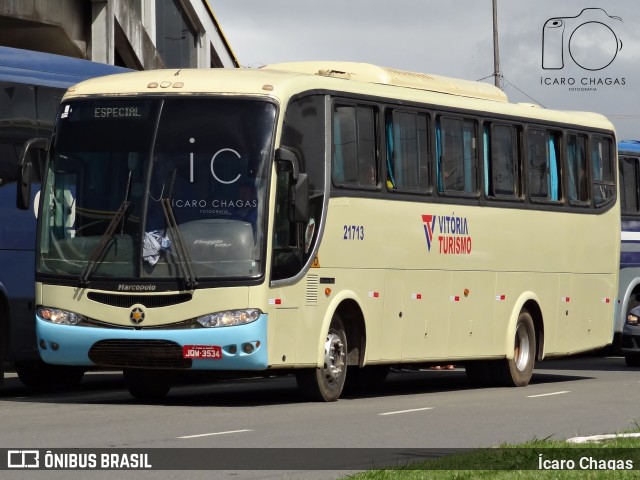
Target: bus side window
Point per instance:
(577, 168)
(18, 110)
(408, 162)
(554, 166)
(354, 146)
(294, 242)
(603, 176)
(283, 230)
(287, 254)
(629, 184)
(456, 155)
(502, 153)
(544, 165)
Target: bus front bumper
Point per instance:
(241, 347)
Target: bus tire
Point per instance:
(38, 375)
(147, 384)
(632, 360)
(517, 372)
(479, 373)
(365, 377)
(326, 384)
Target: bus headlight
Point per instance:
(229, 318)
(61, 317)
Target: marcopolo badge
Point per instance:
(136, 316)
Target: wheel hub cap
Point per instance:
(334, 358)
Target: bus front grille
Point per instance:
(138, 354)
(149, 301)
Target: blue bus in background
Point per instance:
(31, 87)
(627, 326)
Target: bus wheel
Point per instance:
(517, 372)
(363, 377)
(326, 383)
(42, 376)
(479, 373)
(632, 360)
(147, 384)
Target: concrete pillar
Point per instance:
(102, 32)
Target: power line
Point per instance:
(507, 83)
(523, 93)
(484, 78)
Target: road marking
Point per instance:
(629, 236)
(597, 438)
(406, 411)
(548, 394)
(215, 433)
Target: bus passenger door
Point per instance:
(288, 259)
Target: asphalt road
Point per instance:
(424, 409)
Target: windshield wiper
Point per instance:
(98, 253)
(102, 246)
(184, 259)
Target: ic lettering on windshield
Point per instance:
(212, 165)
(213, 159)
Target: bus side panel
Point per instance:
(563, 322)
(365, 289)
(282, 334)
(513, 289)
(18, 279)
(285, 307)
(591, 317)
(394, 319)
(325, 291)
(17, 242)
(472, 306)
(427, 305)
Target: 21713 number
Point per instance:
(353, 232)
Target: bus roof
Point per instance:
(47, 69)
(282, 81)
(629, 146)
(366, 72)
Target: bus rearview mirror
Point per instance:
(23, 190)
(299, 191)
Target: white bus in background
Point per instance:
(324, 219)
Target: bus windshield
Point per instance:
(154, 189)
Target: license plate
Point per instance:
(207, 352)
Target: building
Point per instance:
(138, 34)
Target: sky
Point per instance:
(561, 54)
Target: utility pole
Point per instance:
(496, 53)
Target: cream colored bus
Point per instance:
(324, 219)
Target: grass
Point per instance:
(523, 461)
